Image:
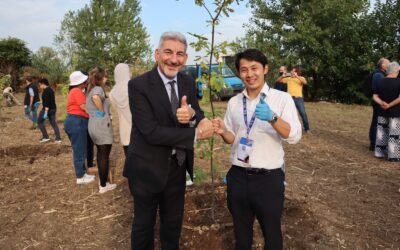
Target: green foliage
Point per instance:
(47, 62)
(103, 33)
(333, 41)
(216, 170)
(65, 90)
(383, 23)
(200, 176)
(13, 55)
(213, 80)
(5, 81)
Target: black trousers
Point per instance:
(52, 119)
(258, 196)
(170, 204)
(89, 151)
(373, 126)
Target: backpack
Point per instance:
(366, 86)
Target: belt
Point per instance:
(256, 171)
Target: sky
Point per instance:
(37, 21)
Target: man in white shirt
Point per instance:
(9, 97)
(256, 123)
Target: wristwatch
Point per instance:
(274, 118)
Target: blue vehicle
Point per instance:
(230, 87)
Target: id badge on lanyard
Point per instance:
(245, 143)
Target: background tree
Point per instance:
(328, 39)
(213, 80)
(47, 62)
(13, 55)
(103, 33)
(384, 24)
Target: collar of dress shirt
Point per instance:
(165, 79)
(264, 90)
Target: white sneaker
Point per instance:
(58, 141)
(108, 187)
(189, 181)
(44, 140)
(85, 179)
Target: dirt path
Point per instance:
(338, 194)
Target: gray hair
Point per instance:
(381, 61)
(172, 35)
(393, 67)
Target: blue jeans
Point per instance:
(31, 114)
(76, 128)
(299, 102)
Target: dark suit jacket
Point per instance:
(155, 130)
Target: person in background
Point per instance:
(91, 166)
(48, 111)
(120, 100)
(9, 97)
(31, 101)
(280, 83)
(100, 125)
(377, 76)
(295, 85)
(256, 123)
(387, 95)
(166, 120)
(76, 125)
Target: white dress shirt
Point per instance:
(167, 85)
(267, 150)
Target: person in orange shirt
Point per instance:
(76, 125)
(295, 83)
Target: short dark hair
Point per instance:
(298, 70)
(251, 55)
(29, 78)
(44, 81)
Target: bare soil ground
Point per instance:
(338, 195)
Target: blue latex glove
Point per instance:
(37, 104)
(263, 111)
(45, 116)
(100, 114)
(27, 110)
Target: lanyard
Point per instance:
(250, 125)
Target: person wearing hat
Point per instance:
(48, 111)
(76, 125)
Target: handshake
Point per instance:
(207, 128)
(204, 129)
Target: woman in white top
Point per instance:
(120, 101)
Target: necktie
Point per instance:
(174, 98)
(180, 154)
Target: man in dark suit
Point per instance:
(166, 122)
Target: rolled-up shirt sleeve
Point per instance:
(289, 115)
(228, 118)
